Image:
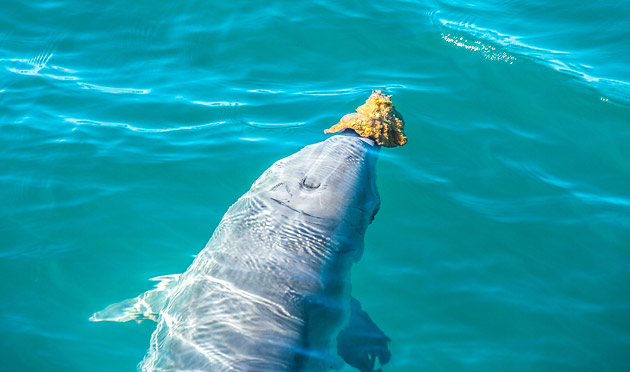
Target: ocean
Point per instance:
(127, 129)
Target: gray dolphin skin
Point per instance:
(271, 289)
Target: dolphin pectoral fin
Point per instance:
(145, 306)
(318, 349)
(362, 342)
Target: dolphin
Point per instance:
(271, 289)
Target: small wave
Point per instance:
(38, 62)
(253, 139)
(139, 129)
(274, 125)
(603, 205)
(500, 40)
(488, 51)
(485, 41)
(529, 168)
(496, 46)
(347, 91)
(114, 90)
(63, 69)
(219, 103)
(41, 59)
(331, 92)
(267, 91)
(37, 66)
(591, 198)
(573, 187)
(533, 209)
(328, 92)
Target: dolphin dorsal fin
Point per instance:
(145, 306)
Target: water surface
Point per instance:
(128, 129)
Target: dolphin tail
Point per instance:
(145, 306)
(362, 342)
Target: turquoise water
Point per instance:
(128, 128)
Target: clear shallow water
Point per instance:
(127, 130)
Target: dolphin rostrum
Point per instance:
(271, 289)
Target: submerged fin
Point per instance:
(145, 306)
(362, 342)
(319, 350)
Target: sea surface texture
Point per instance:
(127, 129)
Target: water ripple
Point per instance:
(519, 209)
(274, 125)
(36, 67)
(139, 129)
(219, 103)
(496, 46)
(114, 90)
(591, 198)
(575, 188)
(39, 65)
(360, 90)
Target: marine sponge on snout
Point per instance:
(378, 119)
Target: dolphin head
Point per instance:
(331, 183)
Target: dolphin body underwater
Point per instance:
(271, 289)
